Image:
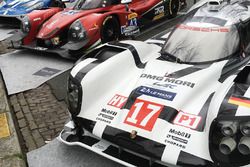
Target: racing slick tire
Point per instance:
(110, 30)
(57, 3)
(173, 7)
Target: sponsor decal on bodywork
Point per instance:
(37, 19)
(106, 116)
(177, 138)
(132, 16)
(156, 93)
(187, 120)
(168, 80)
(159, 12)
(131, 28)
(203, 29)
(143, 114)
(117, 101)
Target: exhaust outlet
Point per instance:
(245, 128)
(244, 145)
(227, 145)
(229, 128)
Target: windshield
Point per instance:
(194, 43)
(90, 4)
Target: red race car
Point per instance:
(70, 32)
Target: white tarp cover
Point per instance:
(5, 32)
(56, 154)
(24, 70)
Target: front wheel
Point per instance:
(110, 30)
(173, 7)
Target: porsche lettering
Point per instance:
(190, 28)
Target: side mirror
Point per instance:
(126, 1)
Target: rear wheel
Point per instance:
(173, 7)
(110, 30)
(57, 3)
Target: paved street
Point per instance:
(10, 151)
(40, 116)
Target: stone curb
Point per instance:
(10, 150)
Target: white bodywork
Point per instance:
(126, 77)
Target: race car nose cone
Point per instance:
(227, 145)
(244, 145)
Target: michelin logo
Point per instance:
(156, 93)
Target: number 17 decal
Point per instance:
(143, 114)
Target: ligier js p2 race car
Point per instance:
(71, 31)
(11, 10)
(185, 102)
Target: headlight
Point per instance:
(77, 32)
(74, 97)
(25, 25)
(229, 142)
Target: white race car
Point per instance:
(182, 99)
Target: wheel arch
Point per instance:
(115, 15)
(169, 6)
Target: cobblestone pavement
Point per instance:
(40, 116)
(3, 48)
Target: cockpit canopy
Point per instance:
(202, 39)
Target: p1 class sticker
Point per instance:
(187, 120)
